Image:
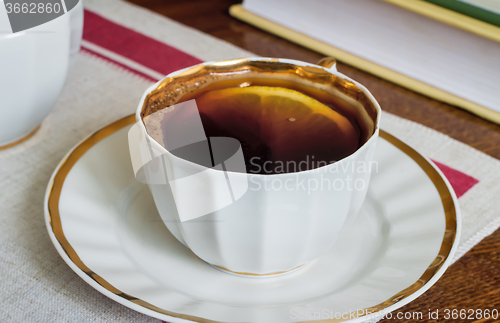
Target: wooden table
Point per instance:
(471, 283)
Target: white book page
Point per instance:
(443, 56)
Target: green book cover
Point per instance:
(484, 10)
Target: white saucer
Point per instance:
(105, 226)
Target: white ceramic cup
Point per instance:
(34, 64)
(231, 220)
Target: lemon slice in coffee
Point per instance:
(278, 124)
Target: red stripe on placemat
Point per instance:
(149, 78)
(133, 45)
(460, 182)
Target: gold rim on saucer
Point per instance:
(56, 186)
(20, 141)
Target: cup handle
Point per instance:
(328, 62)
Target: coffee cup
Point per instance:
(246, 223)
(34, 64)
